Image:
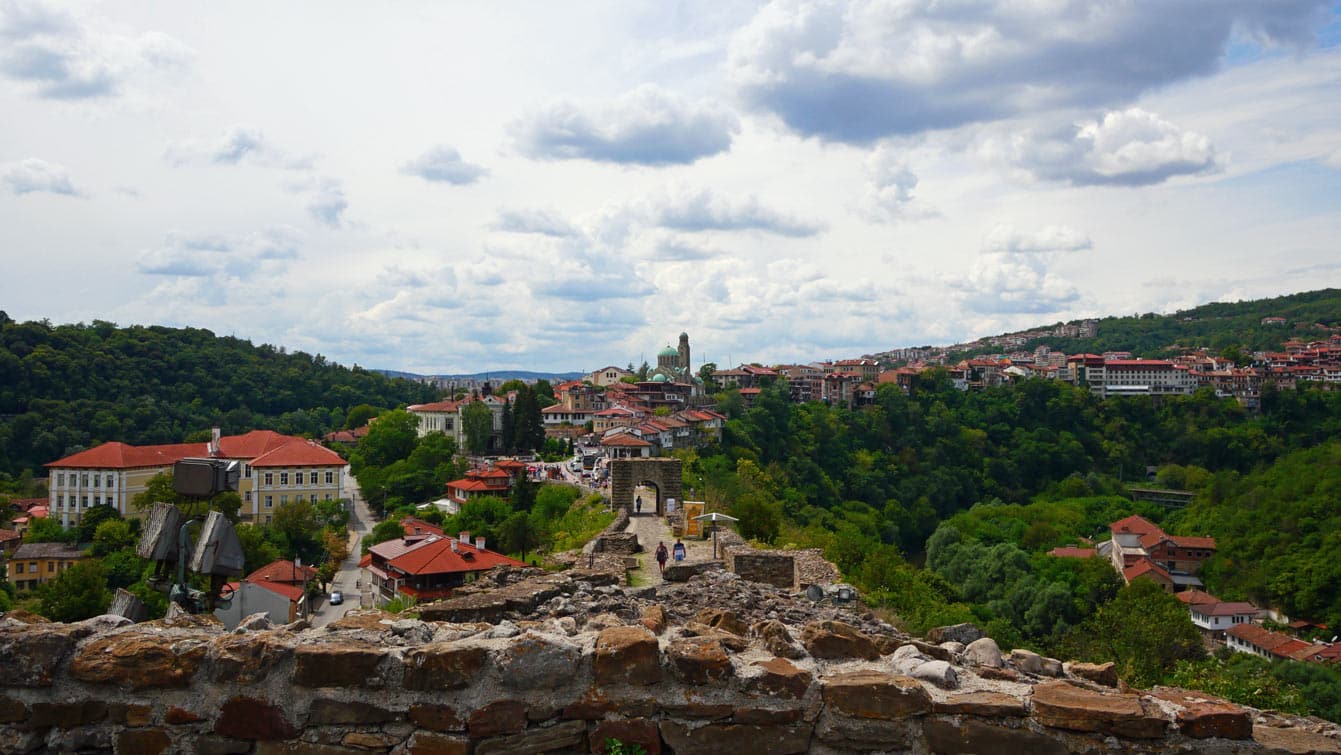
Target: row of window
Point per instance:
(86, 479)
(34, 567)
(83, 501)
(284, 499)
(312, 478)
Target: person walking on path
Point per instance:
(661, 557)
(638, 505)
(678, 550)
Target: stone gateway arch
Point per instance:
(627, 474)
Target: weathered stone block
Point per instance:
(1207, 720)
(211, 745)
(961, 633)
(984, 652)
(337, 664)
(699, 660)
(499, 717)
(30, 654)
(248, 658)
(538, 662)
(437, 717)
(971, 737)
(720, 618)
(326, 711)
(249, 718)
(179, 716)
(873, 694)
(423, 743)
(627, 655)
(629, 731)
(767, 716)
(709, 711)
(982, 704)
(563, 736)
(139, 661)
(731, 739)
(146, 741)
(130, 714)
(777, 639)
(66, 715)
(1065, 706)
(862, 734)
(654, 618)
(366, 740)
(684, 571)
(836, 640)
(781, 678)
(443, 665)
(1099, 673)
(12, 711)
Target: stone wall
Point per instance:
(625, 474)
(777, 569)
(713, 684)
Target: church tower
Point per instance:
(685, 365)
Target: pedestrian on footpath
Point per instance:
(661, 557)
(678, 550)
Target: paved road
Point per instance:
(348, 580)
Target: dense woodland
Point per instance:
(64, 388)
(942, 505)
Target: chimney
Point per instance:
(465, 536)
(214, 442)
(479, 543)
(454, 548)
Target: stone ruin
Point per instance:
(528, 662)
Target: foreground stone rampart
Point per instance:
(711, 684)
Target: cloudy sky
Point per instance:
(444, 187)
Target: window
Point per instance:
(110, 482)
(83, 479)
(84, 501)
(247, 496)
(313, 498)
(283, 478)
(18, 568)
(51, 567)
(330, 477)
(269, 478)
(60, 479)
(312, 478)
(269, 502)
(97, 500)
(283, 500)
(328, 496)
(60, 500)
(246, 471)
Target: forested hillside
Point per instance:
(67, 387)
(941, 505)
(1222, 327)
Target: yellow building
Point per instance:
(276, 469)
(35, 563)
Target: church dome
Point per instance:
(659, 378)
(669, 352)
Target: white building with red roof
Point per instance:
(1140, 547)
(279, 589)
(276, 470)
(428, 567)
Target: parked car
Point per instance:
(337, 598)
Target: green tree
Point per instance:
(382, 532)
(300, 526)
(477, 421)
(80, 592)
(358, 416)
(92, 518)
(518, 534)
(112, 535)
(48, 531)
(1144, 630)
(160, 489)
(257, 549)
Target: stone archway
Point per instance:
(626, 474)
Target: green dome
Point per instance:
(659, 378)
(669, 352)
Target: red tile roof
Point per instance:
(1225, 609)
(1192, 541)
(1262, 638)
(117, 455)
(293, 592)
(436, 406)
(434, 555)
(1146, 567)
(299, 453)
(1196, 597)
(624, 440)
(413, 526)
(282, 570)
(1136, 524)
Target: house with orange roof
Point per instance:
(1214, 619)
(428, 567)
(1177, 558)
(1147, 569)
(447, 417)
(279, 589)
(480, 482)
(1071, 551)
(276, 469)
